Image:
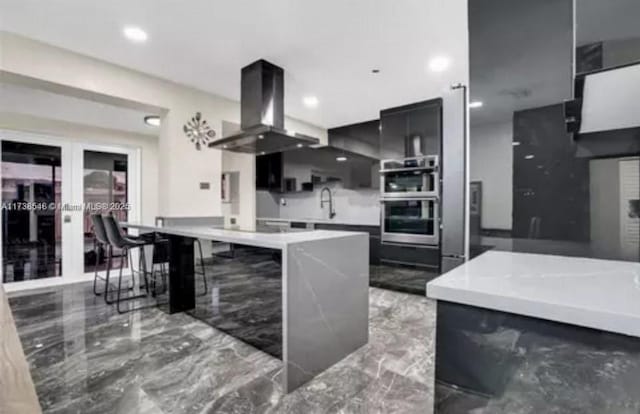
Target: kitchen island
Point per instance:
(523, 333)
(324, 289)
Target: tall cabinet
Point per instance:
(411, 131)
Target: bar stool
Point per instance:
(119, 241)
(202, 266)
(160, 257)
(178, 221)
(100, 241)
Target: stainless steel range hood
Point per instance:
(262, 114)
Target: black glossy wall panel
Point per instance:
(550, 184)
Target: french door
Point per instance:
(50, 186)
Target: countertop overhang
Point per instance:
(593, 293)
(250, 238)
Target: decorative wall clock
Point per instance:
(198, 131)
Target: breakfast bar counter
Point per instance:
(324, 294)
(519, 332)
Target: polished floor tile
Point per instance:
(86, 358)
(401, 278)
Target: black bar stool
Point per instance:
(169, 221)
(160, 257)
(202, 266)
(100, 241)
(125, 244)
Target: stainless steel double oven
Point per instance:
(410, 197)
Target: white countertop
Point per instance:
(258, 239)
(600, 294)
(320, 220)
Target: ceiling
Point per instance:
(521, 56)
(327, 48)
(602, 20)
(532, 66)
(43, 104)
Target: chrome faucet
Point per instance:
(323, 201)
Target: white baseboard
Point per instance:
(30, 287)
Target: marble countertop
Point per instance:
(250, 238)
(599, 294)
(322, 221)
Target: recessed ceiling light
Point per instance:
(310, 101)
(476, 104)
(135, 34)
(341, 159)
(260, 136)
(300, 145)
(529, 157)
(262, 153)
(439, 63)
(515, 143)
(152, 120)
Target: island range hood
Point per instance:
(262, 114)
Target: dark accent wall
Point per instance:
(589, 57)
(550, 184)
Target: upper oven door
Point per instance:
(413, 221)
(412, 182)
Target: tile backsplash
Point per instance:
(360, 206)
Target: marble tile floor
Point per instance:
(245, 299)
(86, 358)
(401, 278)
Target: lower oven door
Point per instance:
(413, 221)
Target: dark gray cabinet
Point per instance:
(269, 169)
(410, 255)
(411, 130)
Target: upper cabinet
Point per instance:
(361, 139)
(269, 172)
(304, 169)
(307, 168)
(351, 158)
(411, 130)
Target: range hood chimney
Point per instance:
(262, 114)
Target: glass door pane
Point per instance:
(105, 188)
(31, 221)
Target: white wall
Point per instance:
(88, 134)
(181, 167)
(604, 191)
(37, 102)
(244, 166)
(491, 159)
(351, 206)
(267, 204)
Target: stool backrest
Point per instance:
(98, 229)
(113, 232)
